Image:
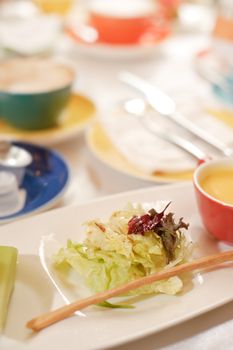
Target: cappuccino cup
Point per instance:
(34, 92)
(120, 21)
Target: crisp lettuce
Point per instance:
(110, 256)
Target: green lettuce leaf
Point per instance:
(110, 257)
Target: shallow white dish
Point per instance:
(101, 328)
(15, 34)
(126, 52)
(82, 37)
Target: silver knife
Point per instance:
(166, 106)
(193, 150)
(182, 143)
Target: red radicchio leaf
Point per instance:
(163, 225)
(146, 222)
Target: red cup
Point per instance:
(217, 216)
(117, 23)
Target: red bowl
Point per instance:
(127, 27)
(124, 30)
(216, 215)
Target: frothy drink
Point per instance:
(33, 76)
(122, 8)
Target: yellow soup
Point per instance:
(218, 183)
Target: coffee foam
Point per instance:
(122, 8)
(33, 75)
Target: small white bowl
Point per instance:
(9, 193)
(15, 160)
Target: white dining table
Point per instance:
(97, 79)
(90, 178)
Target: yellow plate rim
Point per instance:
(96, 128)
(54, 135)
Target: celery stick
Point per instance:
(8, 259)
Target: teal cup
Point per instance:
(35, 110)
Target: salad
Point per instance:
(133, 243)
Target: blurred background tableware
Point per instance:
(120, 22)
(223, 28)
(165, 105)
(217, 69)
(77, 116)
(222, 45)
(34, 92)
(213, 182)
(11, 197)
(119, 29)
(137, 108)
(45, 181)
(123, 144)
(195, 16)
(61, 7)
(33, 35)
(11, 9)
(170, 7)
(14, 159)
(119, 140)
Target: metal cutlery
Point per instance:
(165, 105)
(136, 107)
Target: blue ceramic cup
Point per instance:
(34, 92)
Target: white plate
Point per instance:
(15, 35)
(82, 36)
(102, 328)
(121, 52)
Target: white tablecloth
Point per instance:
(96, 78)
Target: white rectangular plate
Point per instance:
(101, 328)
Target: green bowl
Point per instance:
(33, 111)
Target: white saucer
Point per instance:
(87, 43)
